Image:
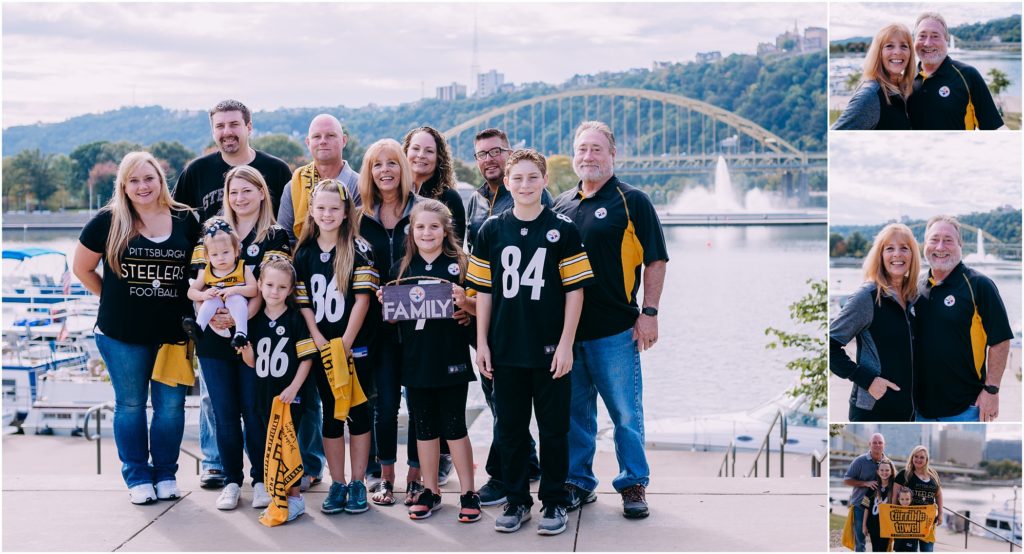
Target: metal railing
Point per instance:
(109, 406)
(725, 467)
(969, 522)
(817, 460)
(728, 466)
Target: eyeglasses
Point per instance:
(492, 153)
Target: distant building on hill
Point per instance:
(709, 57)
(489, 83)
(451, 92)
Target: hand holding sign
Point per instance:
(420, 301)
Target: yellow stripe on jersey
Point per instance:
(979, 338)
(365, 278)
(301, 294)
(479, 271)
(575, 268)
(632, 252)
(305, 347)
(278, 253)
(198, 255)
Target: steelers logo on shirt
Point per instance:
(156, 283)
(949, 301)
(553, 235)
(944, 91)
(601, 213)
(362, 245)
(325, 257)
(279, 331)
(453, 268)
(252, 250)
(417, 294)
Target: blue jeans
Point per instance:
(207, 427)
(608, 366)
(858, 528)
(970, 414)
(130, 367)
(233, 393)
(311, 442)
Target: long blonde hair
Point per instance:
(927, 469)
(344, 249)
(123, 217)
(368, 190)
(874, 269)
(265, 219)
(874, 65)
(449, 246)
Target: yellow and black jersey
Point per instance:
(957, 320)
(275, 243)
(317, 289)
(235, 278)
(435, 352)
(940, 100)
(279, 346)
(527, 267)
(622, 233)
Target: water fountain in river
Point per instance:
(980, 257)
(721, 197)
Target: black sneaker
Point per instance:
(444, 469)
(514, 517)
(239, 340)
(470, 508)
(634, 502)
(191, 329)
(425, 505)
(579, 496)
(492, 493)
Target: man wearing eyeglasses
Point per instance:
(491, 150)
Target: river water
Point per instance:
(724, 286)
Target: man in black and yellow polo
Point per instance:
(963, 335)
(948, 95)
(622, 234)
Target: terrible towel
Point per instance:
(282, 463)
(907, 522)
(173, 365)
(341, 374)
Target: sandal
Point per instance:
(427, 504)
(470, 511)
(412, 492)
(385, 494)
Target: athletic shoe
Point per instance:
(579, 496)
(239, 340)
(427, 504)
(513, 518)
(228, 499)
(356, 498)
(469, 503)
(412, 492)
(191, 328)
(142, 494)
(212, 479)
(336, 499)
(260, 496)
(308, 481)
(167, 490)
(444, 469)
(634, 502)
(553, 520)
(296, 506)
(492, 493)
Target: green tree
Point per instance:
(85, 157)
(30, 179)
(101, 183)
(998, 82)
(465, 172)
(175, 154)
(561, 176)
(281, 146)
(857, 246)
(354, 152)
(810, 310)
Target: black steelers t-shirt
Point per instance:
(925, 492)
(435, 352)
(279, 346)
(317, 288)
(527, 267)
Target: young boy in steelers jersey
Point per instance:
(529, 266)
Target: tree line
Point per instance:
(1004, 29)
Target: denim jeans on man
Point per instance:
(207, 428)
(858, 528)
(232, 388)
(970, 414)
(130, 367)
(608, 366)
(311, 428)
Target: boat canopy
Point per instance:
(31, 252)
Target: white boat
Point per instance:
(1005, 522)
(31, 279)
(26, 361)
(68, 320)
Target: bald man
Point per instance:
(861, 477)
(326, 142)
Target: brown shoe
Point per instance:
(634, 502)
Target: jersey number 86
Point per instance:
(270, 363)
(327, 301)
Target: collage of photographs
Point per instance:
(541, 276)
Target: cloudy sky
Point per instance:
(875, 177)
(62, 60)
(864, 19)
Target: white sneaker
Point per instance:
(142, 494)
(228, 499)
(296, 506)
(260, 496)
(167, 490)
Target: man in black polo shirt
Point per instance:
(621, 233)
(963, 335)
(943, 88)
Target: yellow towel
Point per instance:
(173, 365)
(282, 463)
(342, 377)
(913, 522)
(849, 541)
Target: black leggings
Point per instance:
(360, 418)
(439, 412)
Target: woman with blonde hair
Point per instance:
(879, 318)
(143, 238)
(924, 482)
(880, 101)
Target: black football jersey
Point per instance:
(527, 267)
(317, 289)
(279, 345)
